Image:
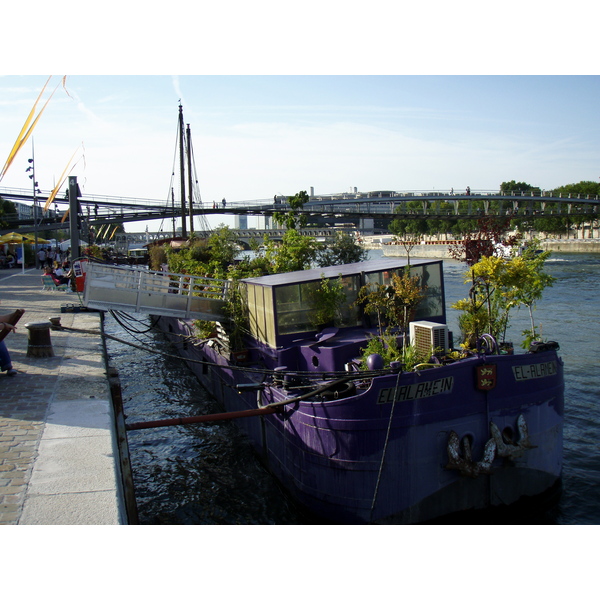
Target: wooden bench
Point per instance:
(50, 285)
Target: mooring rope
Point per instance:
(385, 445)
(317, 375)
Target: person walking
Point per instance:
(41, 254)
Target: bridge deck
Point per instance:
(131, 289)
(105, 210)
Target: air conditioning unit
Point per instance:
(427, 336)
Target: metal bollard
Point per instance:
(39, 344)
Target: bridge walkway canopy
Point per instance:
(137, 290)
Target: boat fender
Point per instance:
(374, 362)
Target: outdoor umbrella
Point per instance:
(21, 238)
(17, 238)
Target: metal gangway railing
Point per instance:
(131, 289)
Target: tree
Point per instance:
(296, 252)
(524, 283)
(408, 242)
(499, 285)
(223, 247)
(293, 219)
(6, 208)
(508, 187)
(583, 188)
(481, 238)
(342, 250)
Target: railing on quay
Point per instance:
(131, 289)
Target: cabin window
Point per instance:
(432, 307)
(294, 306)
(293, 310)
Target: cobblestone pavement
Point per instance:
(25, 399)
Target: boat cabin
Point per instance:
(279, 306)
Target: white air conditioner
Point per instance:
(428, 336)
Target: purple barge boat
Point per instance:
(383, 445)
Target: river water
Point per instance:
(208, 474)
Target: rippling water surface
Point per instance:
(208, 474)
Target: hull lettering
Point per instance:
(416, 390)
(535, 371)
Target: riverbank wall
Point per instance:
(442, 250)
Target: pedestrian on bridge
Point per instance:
(224, 202)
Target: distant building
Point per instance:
(25, 211)
(241, 221)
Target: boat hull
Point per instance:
(406, 447)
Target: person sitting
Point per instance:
(5, 361)
(57, 280)
(10, 261)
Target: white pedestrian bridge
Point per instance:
(131, 289)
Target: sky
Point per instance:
(451, 120)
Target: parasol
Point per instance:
(21, 238)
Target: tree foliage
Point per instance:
(295, 253)
(498, 285)
(342, 250)
(508, 187)
(6, 208)
(552, 223)
(293, 218)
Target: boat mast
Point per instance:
(190, 188)
(173, 208)
(182, 172)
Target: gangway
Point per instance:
(139, 290)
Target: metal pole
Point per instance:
(190, 189)
(173, 207)
(182, 173)
(74, 217)
(35, 223)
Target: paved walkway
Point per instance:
(59, 462)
